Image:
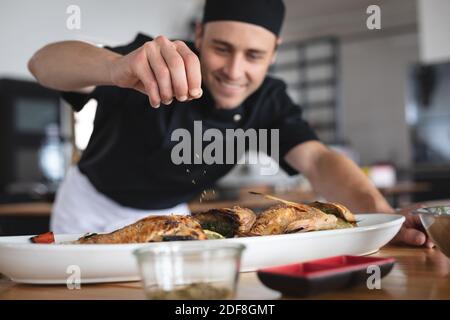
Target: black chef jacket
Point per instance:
(128, 157)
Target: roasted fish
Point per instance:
(346, 219)
(151, 229)
(228, 222)
(316, 221)
(286, 219)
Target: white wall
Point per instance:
(434, 22)
(374, 74)
(25, 25)
(374, 68)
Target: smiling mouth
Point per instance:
(230, 86)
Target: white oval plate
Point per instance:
(26, 262)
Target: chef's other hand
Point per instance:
(161, 69)
(412, 232)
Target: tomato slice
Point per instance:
(47, 237)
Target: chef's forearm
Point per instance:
(71, 65)
(339, 179)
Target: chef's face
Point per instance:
(235, 57)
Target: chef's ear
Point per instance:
(199, 31)
(278, 42)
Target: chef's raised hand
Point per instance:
(162, 69)
(412, 232)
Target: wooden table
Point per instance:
(419, 274)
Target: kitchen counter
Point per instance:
(419, 274)
(26, 209)
(250, 201)
(245, 200)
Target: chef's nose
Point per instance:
(234, 68)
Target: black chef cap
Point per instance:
(268, 14)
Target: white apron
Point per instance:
(80, 208)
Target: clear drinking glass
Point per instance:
(190, 270)
(436, 221)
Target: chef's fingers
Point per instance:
(193, 70)
(412, 220)
(140, 87)
(416, 222)
(160, 69)
(177, 70)
(429, 244)
(410, 237)
(147, 84)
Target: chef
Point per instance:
(151, 87)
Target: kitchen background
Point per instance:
(379, 96)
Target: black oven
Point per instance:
(28, 113)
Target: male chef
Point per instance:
(151, 87)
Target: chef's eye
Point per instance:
(254, 56)
(221, 50)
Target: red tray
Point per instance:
(318, 276)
